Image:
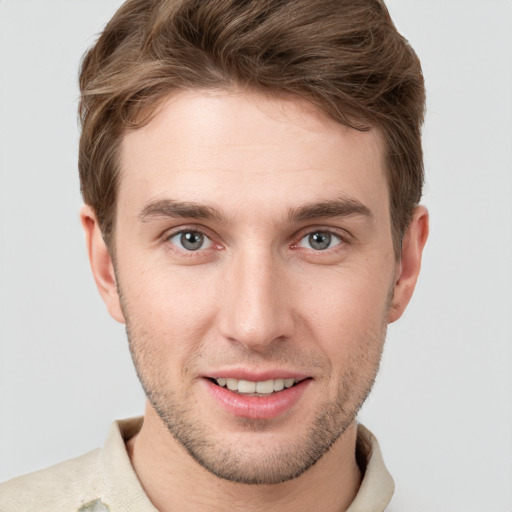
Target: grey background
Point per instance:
(442, 406)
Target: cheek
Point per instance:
(167, 313)
(346, 308)
(349, 326)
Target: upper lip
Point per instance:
(253, 376)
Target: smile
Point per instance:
(257, 399)
(259, 388)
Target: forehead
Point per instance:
(206, 146)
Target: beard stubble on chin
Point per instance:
(233, 461)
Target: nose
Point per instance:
(256, 303)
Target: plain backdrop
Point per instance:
(442, 406)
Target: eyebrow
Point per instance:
(178, 209)
(340, 207)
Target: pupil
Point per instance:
(192, 240)
(319, 240)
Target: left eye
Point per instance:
(190, 240)
(320, 240)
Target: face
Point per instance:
(255, 268)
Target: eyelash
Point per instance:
(182, 231)
(328, 237)
(343, 239)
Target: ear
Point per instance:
(410, 263)
(101, 263)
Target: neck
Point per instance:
(174, 481)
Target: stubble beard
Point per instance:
(237, 463)
(249, 466)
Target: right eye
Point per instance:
(190, 240)
(320, 240)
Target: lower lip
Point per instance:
(257, 407)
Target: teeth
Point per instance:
(232, 384)
(267, 386)
(247, 387)
(278, 384)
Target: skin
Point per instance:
(248, 172)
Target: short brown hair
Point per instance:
(344, 56)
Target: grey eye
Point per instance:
(190, 240)
(320, 240)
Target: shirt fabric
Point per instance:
(104, 480)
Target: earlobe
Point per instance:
(101, 263)
(413, 243)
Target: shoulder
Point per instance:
(98, 481)
(67, 486)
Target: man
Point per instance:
(251, 173)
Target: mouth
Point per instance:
(256, 388)
(257, 397)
